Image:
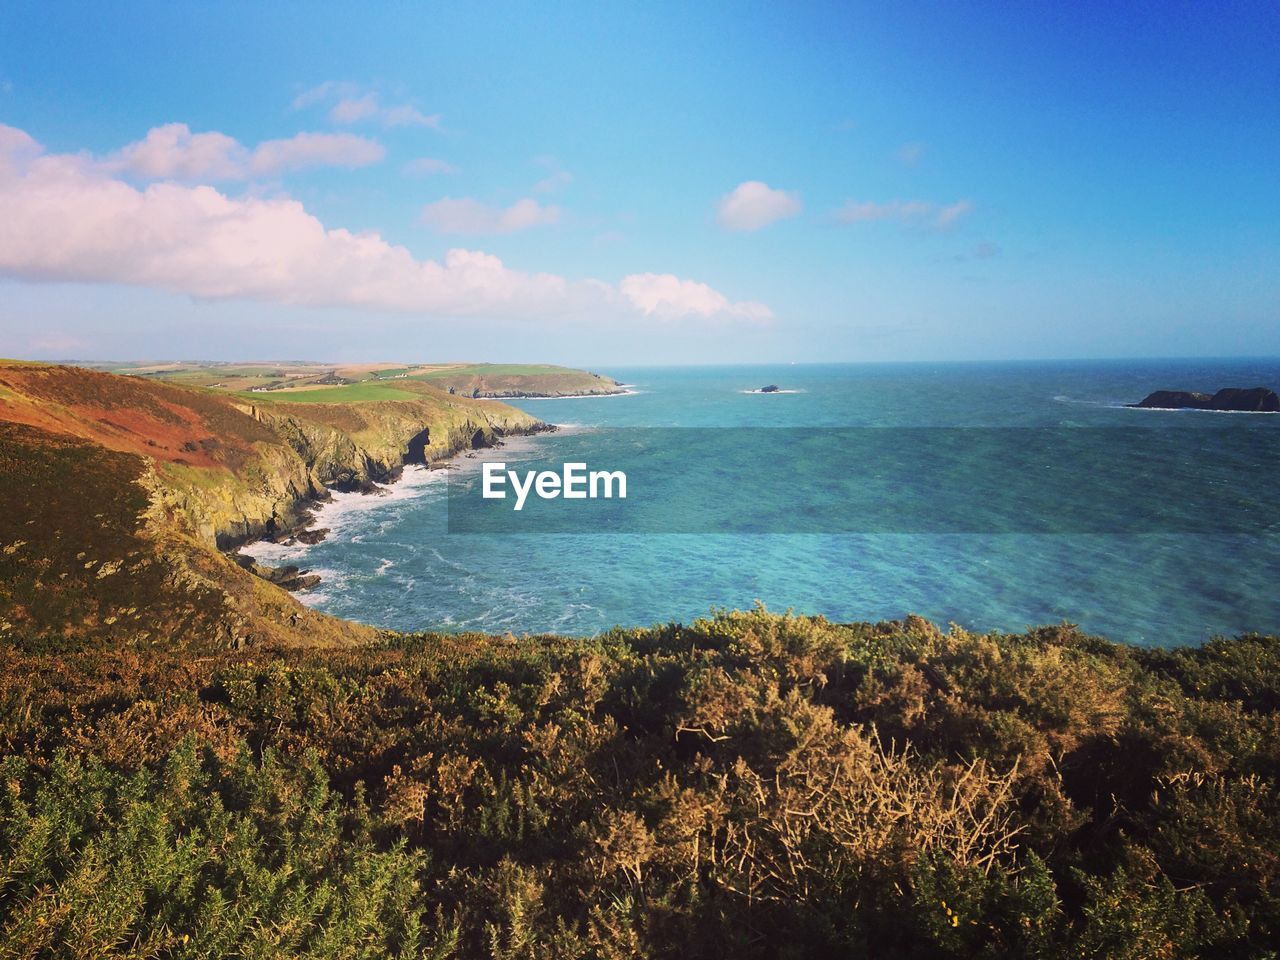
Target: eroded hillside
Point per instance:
(116, 493)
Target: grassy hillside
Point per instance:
(115, 493)
(747, 786)
(84, 560)
(316, 379)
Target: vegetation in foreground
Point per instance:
(748, 785)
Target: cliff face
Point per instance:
(322, 445)
(358, 444)
(146, 480)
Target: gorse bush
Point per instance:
(749, 785)
(252, 858)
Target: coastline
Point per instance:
(278, 557)
(628, 392)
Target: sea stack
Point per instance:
(1236, 399)
(771, 388)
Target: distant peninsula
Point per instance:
(1229, 399)
(378, 381)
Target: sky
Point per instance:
(613, 184)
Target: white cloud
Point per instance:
(465, 215)
(18, 146)
(919, 212)
(753, 205)
(173, 152)
(665, 296)
(354, 109)
(427, 166)
(315, 150)
(354, 104)
(64, 217)
(407, 116)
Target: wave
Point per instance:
(344, 509)
(1249, 413)
(582, 396)
(1123, 405)
(1063, 398)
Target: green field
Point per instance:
(500, 370)
(354, 393)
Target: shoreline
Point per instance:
(566, 396)
(1137, 406)
(278, 557)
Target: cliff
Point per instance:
(344, 446)
(116, 493)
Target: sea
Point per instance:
(995, 496)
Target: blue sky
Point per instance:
(639, 183)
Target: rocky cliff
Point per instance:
(343, 446)
(116, 493)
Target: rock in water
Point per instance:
(771, 388)
(1240, 399)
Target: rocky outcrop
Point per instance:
(289, 577)
(269, 498)
(1235, 399)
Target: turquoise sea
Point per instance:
(1203, 558)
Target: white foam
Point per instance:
(583, 396)
(1121, 405)
(1129, 406)
(1063, 398)
(342, 509)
